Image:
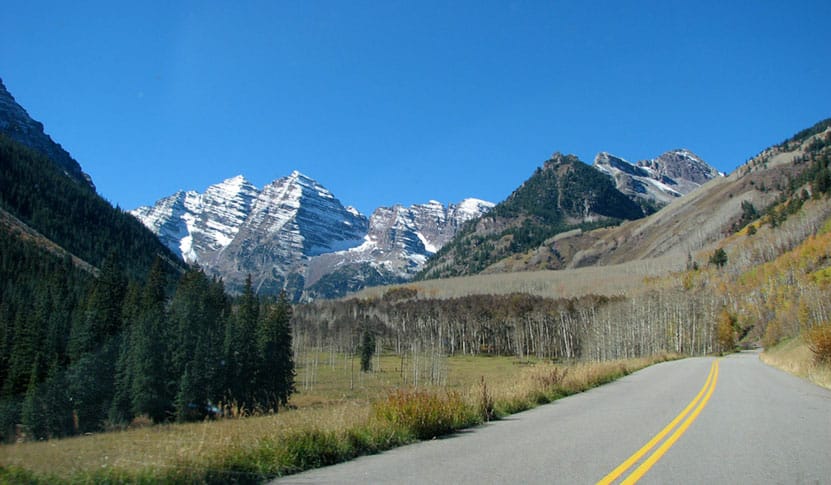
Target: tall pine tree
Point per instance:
(241, 350)
(150, 394)
(274, 345)
(198, 315)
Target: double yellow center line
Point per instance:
(690, 412)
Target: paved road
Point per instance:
(755, 425)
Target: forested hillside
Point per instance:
(562, 195)
(71, 214)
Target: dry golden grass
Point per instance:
(176, 445)
(626, 279)
(795, 357)
(330, 379)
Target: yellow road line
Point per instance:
(705, 393)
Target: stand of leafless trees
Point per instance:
(423, 330)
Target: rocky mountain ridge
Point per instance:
(657, 182)
(16, 123)
(561, 195)
(690, 223)
(295, 235)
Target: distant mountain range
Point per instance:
(294, 234)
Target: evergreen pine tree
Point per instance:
(90, 383)
(198, 313)
(149, 392)
(103, 316)
(121, 408)
(24, 349)
(57, 404)
(367, 349)
(241, 349)
(120, 411)
(32, 416)
(274, 345)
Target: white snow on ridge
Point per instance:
(472, 207)
(294, 225)
(429, 247)
(663, 187)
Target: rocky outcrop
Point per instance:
(397, 245)
(657, 182)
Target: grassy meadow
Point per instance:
(345, 413)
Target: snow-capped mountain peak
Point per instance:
(471, 208)
(294, 231)
(660, 180)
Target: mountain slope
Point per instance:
(198, 226)
(562, 195)
(37, 191)
(17, 125)
(690, 223)
(291, 219)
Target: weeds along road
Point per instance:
(698, 420)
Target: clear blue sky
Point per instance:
(406, 101)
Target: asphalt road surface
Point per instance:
(699, 420)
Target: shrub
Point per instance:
(719, 258)
(819, 341)
(726, 331)
(486, 403)
(425, 415)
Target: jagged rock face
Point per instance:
(168, 220)
(234, 229)
(198, 226)
(294, 233)
(682, 166)
(562, 195)
(221, 210)
(291, 220)
(397, 244)
(658, 181)
(16, 123)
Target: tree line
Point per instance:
(406, 323)
(82, 354)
